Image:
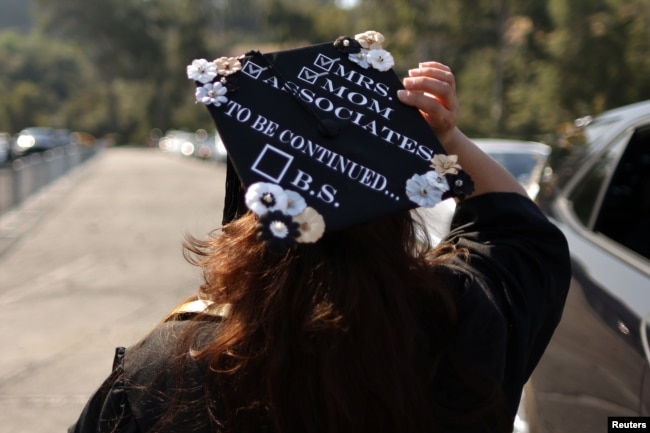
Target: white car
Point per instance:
(597, 364)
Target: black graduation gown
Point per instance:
(509, 296)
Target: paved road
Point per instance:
(91, 263)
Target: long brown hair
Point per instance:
(342, 335)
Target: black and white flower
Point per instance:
(460, 185)
(347, 45)
(277, 230)
(263, 197)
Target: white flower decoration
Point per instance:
(437, 181)
(296, 204)
(201, 70)
(381, 60)
(420, 191)
(212, 94)
(311, 225)
(227, 65)
(445, 164)
(360, 58)
(370, 40)
(264, 197)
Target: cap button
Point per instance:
(329, 128)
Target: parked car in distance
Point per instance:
(596, 365)
(177, 141)
(220, 153)
(5, 147)
(211, 147)
(35, 139)
(526, 160)
(199, 144)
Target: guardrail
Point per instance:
(22, 177)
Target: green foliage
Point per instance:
(118, 66)
(288, 23)
(291, 22)
(43, 76)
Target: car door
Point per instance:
(596, 364)
(645, 387)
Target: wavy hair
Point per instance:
(343, 335)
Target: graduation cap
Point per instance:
(319, 140)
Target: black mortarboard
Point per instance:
(319, 139)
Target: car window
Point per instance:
(520, 165)
(584, 197)
(625, 212)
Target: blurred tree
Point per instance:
(242, 16)
(588, 47)
(482, 41)
(183, 31)
(138, 47)
(522, 66)
(116, 35)
(307, 22)
(289, 23)
(634, 19)
(43, 75)
(524, 93)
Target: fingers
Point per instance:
(430, 106)
(436, 71)
(435, 66)
(433, 98)
(438, 83)
(427, 94)
(432, 89)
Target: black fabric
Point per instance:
(147, 368)
(510, 293)
(516, 282)
(233, 203)
(108, 409)
(135, 396)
